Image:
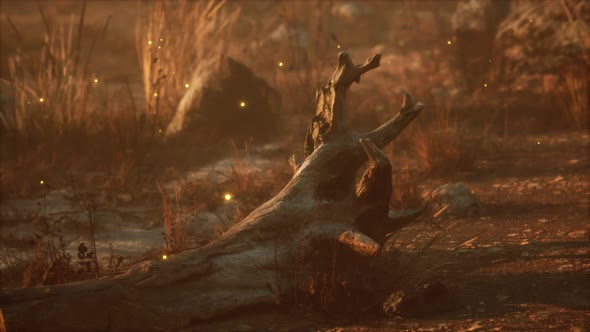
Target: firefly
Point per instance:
(186, 85)
(41, 100)
(485, 85)
(155, 94)
(159, 130)
(42, 182)
(280, 64)
(538, 143)
(150, 42)
(161, 39)
(243, 104)
(96, 80)
(164, 257)
(159, 47)
(449, 42)
(338, 46)
(227, 197)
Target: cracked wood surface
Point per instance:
(320, 202)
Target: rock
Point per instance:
(460, 201)
(540, 38)
(226, 99)
(429, 299)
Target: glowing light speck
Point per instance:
(161, 39)
(164, 257)
(538, 143)
(159, 47)
(485, 85)
(227, 197)
(338, 46)
(155, 94)
(41, 182)
(41, 100)
(449, 42)
(150, 42)
(186, 85)
(280, 64)
(243, 104)
(96, 80)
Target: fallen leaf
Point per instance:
(474, 327)
(557, 179)
(502, 297)
(576, 234)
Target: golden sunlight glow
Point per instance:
(243, 104)
(227, 197)
(280, 64)
(150, 42)
(41, 100)
(449, 42)
(164, 257)
(155, 94)
(41, 182)
(186, 85)
(96, 80)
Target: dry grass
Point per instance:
(51, 92)
(405, 192)
(172, 40)
(174, 217)
(576, 96)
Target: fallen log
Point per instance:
(322, 203)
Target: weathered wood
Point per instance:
(321, 203)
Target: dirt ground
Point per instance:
(523, 264)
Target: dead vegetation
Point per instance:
(48, 134)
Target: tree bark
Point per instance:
(320, 204)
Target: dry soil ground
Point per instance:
(523, 264)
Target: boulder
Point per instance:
(456, 200)
(226, 99)
(538, 40)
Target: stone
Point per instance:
(226, 99)
(460, 200)
(542, 38)
(427, 300)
